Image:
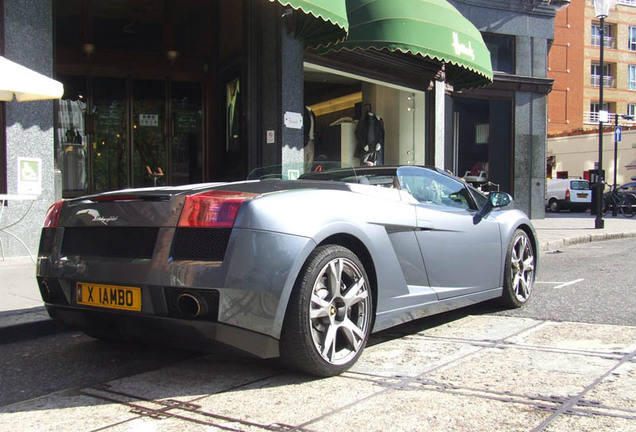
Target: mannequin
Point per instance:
(370, 138)
(309, 129)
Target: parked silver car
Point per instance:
(304, 270)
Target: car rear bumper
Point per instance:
(182, 333)
(576, 204)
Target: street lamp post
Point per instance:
(601, 7)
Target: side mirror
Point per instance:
(499, 199)
(495, 200)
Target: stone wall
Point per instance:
(29, 125)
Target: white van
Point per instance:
(568, 194)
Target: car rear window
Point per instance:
(579, 185)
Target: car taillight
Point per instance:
(214, 209)
(53, 215)
(567, 194)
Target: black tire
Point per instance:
(627, 205)
(553, 205)
(329, 315)
(519, 271)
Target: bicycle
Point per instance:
(626, 203)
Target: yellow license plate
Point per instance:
(109, 296)
(581, 195)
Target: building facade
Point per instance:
(165, 93)
(519, 35)
(574, 64)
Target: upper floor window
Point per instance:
(631, 77)
(632, 38)
(595, 75)
(595, 107)
(502, 52)
(610, 41)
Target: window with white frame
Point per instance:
(607, 36)
(595, 107)
(631, 77)
(631, 110)
(595, 74)
(632, 38)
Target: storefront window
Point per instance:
(358, 122)
(70, 139)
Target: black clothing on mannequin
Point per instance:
(370, 137)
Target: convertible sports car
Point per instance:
(300, 269)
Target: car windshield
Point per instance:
(425, 184)
(333, 171)
(430, 186)
(579, 185)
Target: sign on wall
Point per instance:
(29, 176)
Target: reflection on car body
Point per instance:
(303, 270)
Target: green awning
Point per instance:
(429, 28)
(322, 21)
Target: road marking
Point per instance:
(569, 283)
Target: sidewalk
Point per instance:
(22, 314)
(562, 229)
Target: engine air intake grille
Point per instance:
(110, 242)
(200, 244)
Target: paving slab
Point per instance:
(431, 410)
(478, 373)
(67, 411)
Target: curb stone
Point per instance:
(26, 324)
(555, 244)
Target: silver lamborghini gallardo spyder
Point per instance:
(304, 270)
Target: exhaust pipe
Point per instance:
(190, 306)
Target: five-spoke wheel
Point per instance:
(330, 313)
(519, 271)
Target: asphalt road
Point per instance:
(589, 283)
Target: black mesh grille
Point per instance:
(115, 242)
(200, 244)
(46, 241)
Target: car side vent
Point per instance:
(110, 242)
(200, 244)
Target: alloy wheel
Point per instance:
(340, 311)
(522, 267)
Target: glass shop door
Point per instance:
(149, 147)
(115, 133)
